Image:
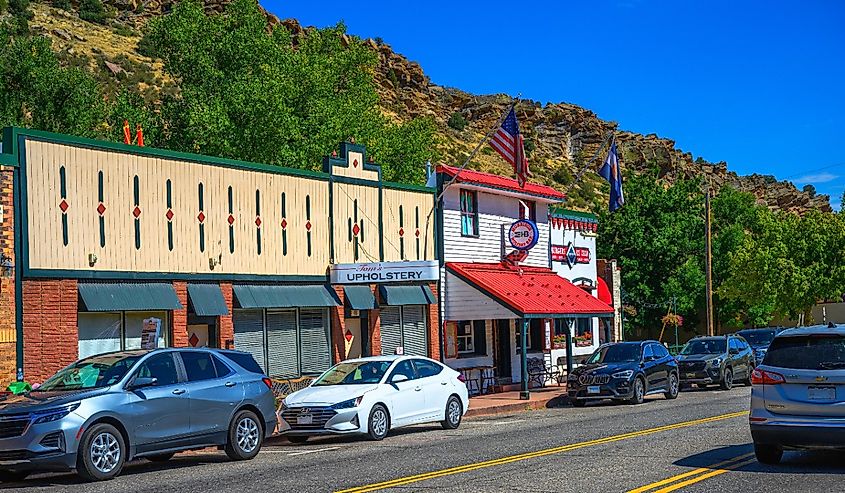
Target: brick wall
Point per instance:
(224, 322)
(433, 326)
(8, 337)
(375, 332)
(49, 327)
(338, 327)
(179, 336)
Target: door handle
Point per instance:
(444, 383)
(417, 389)
(230, 384)
(178, 391)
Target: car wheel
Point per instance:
(578, 402)
(638, 393)
(102, 453)
(768, 454)
(160, 457)
(674, 387)
(245, 436)
(454, 414)
(727, 382)
(299, 440)
(12, 476)
(379, 423)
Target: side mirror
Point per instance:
(143, 382)
(399, 378)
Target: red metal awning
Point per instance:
(530, 292)
(603, 292)
(501, 183)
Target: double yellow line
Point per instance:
(532, 455)
(695, 475)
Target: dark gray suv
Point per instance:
(719, 360)
(102, 411)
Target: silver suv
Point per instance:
(798, 394)
(102, 411)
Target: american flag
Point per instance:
(508, 142)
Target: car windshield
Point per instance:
(758, 337)
(706, 346)
(91, 373)
(616, 353)
(354, 373)
(807, 353)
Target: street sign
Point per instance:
(523, 234)
(382, 272)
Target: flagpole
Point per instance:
(608, 138)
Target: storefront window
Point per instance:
(535, 334)
(465, 339)
(583, 332)
(528, 210)
(105, 332)
(469, 213)
(471, 338)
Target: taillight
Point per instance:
(268, 383)
(763, 377)
(462, 378)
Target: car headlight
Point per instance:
(624, 374)
(348, 404)
(54, 414)
(716, 362)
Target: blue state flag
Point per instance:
(613, 174)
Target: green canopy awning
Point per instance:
(207, 300)
(255, 296)
(360, 297)
(116, 297)
(407, 295)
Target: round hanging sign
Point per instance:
(523, 234)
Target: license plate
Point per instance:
(304, 419)
(821, 393)
(690, 375)
(593, 389)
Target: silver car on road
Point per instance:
(798, 394)
(98, 413)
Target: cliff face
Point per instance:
(561, 137)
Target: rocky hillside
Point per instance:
(561, 137)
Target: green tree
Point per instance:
(21, 15)
(457, 121)
(248, 93)
(92, 11)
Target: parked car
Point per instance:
(798, 393)
(373, 396)
(100, 412)
(759, 340)
(720, 360)
(624, 371)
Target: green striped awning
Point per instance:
(407, 295)
(360, 297)
(116, 297)
(207, 300)
(261, 296)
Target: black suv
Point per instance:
(624, 371)
(759, 339)
(719, 360)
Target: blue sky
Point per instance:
(756, 84)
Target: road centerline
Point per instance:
(694, 472)
(538, 453)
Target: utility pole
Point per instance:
(708, 263)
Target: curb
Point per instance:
(554, 402)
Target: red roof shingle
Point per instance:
(529, 290)
(500, 182)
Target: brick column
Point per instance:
(8, 327)
(180, 317)
(433, 326)
(375, 324)
(51, 338)
(224, 322)
(338, 326)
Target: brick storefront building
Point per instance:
(300, 268)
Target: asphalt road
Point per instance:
(699, 442)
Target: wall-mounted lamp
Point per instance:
(7, 267)
(92, 259)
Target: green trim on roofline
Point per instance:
(154, 152)
(165, 276)
(407, 186)
(8, 161)
(560, 212)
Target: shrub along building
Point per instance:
(498, 289)
(299, 268)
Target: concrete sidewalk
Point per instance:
(507, 402)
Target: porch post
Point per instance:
(568, 346)
(525, 394)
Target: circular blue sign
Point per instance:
(523, 234)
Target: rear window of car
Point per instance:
(817, 352)
(245, 361)
(198, 366)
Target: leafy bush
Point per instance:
(92, 11)
(457, 121)
(529, 146)
(62, 4)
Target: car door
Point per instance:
(158, 414)
(407, 400)
(435, 388)
(664, 359)
(736, 358)
(213, 397)
(747, 356)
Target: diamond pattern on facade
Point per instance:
(101, 209)
(356, 229)
(194, 340)
(136, 212)
(284, 223)
(231, 219)
(201, 217)
(308, 225)
(417, 233)
(258, 221)
(63, 205)
(169, 214)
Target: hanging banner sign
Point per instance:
(523, 234)
(150, 333)
(382, 272)
(570, 254)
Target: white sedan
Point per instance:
(373, 396)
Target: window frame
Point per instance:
(181, 377)
(470, 337)
(420, 361)
(471, 216)
(185, 366)
(529, 207)
(396, 368)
